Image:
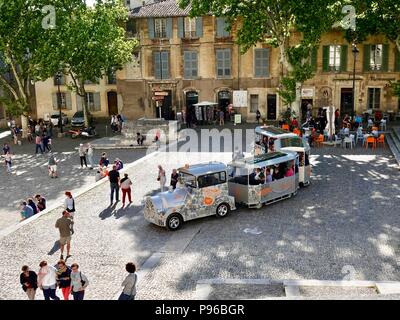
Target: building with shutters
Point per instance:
(182, 61)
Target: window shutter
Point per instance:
(186, 61)
(181, 27)
(168, 28)
(150, 26)
(220, 27)
(266, 62)
(55, 101)
(68, 100)
(165, 65)
(157, 64)
(199, 27)
(367, 57)
(97, 101)
(78, 103)
(385, 58)
(314, 59)
(325, 59)
(194, 64)
(397, 61)
(343, 57)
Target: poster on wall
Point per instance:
(240, 99)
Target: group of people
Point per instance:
(162, 179)
(117, 122)
(30, 207)
(70, 280)
(272, 173)
(104, 163)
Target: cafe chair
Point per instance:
(285, 127)
(297, 131)
(347, 140)
(381, 140)
(370, 140)
(338, 140)
(370, 123)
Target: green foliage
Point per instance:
(287, 115)
(396, 88)
(287, 90)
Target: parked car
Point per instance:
(78, 120)
(54, 118)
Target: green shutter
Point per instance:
(397, 61)
(181, 27)
(157, 64)
(325, 59)
(343, 57)
(367, 58)
(199, 27)
(150, 26)
(314, 59)
(168, 28)
(68, 101)
(385, 58)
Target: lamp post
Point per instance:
(355, 52)
(60, 120)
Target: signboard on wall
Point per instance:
(240, 99)
(307, 93)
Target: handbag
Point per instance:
(82, 281)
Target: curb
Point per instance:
(7, 231)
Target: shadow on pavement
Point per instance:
(56, 247)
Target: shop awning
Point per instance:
(205, 103)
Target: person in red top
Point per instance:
(294, 123)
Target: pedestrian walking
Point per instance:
(38, 142)
(129, 284)
(46, 145)
(79, 282)
(161, 178)
(90, 155)
(64, 278)
(126, 189)
(32, 204)
(8, 162)
(26, 211)
(174, 178)
(47, 281)
(114, 179)
(258, 116)
(82, 155)
(52, 165)
(6, 148)
(69, 203)
(40, 202)
(221, 117)
(64, 225)
(28, 280)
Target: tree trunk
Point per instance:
(85, 104)
(398, 43)
(24, 125)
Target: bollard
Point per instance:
(106, 131)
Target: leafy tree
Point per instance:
(23, 38)
(274, 22)
(90, 43)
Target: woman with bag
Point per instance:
(79, 282)
(64, 279)
(47, 281)
(129, 284)
(126, 189)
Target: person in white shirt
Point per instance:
(125, 184)
(90, 155)
(47, 281)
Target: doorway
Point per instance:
(167, 106)
(224, 100)
(192, 97)
(112, 100)
(346, 101)
(271, 107)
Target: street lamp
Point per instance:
(355, 52)
(60, 121)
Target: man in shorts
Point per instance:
(52, 164)
(64, 225)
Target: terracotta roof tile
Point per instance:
(168, 8)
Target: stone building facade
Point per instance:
(182, 61)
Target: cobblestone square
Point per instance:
(345, 224)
